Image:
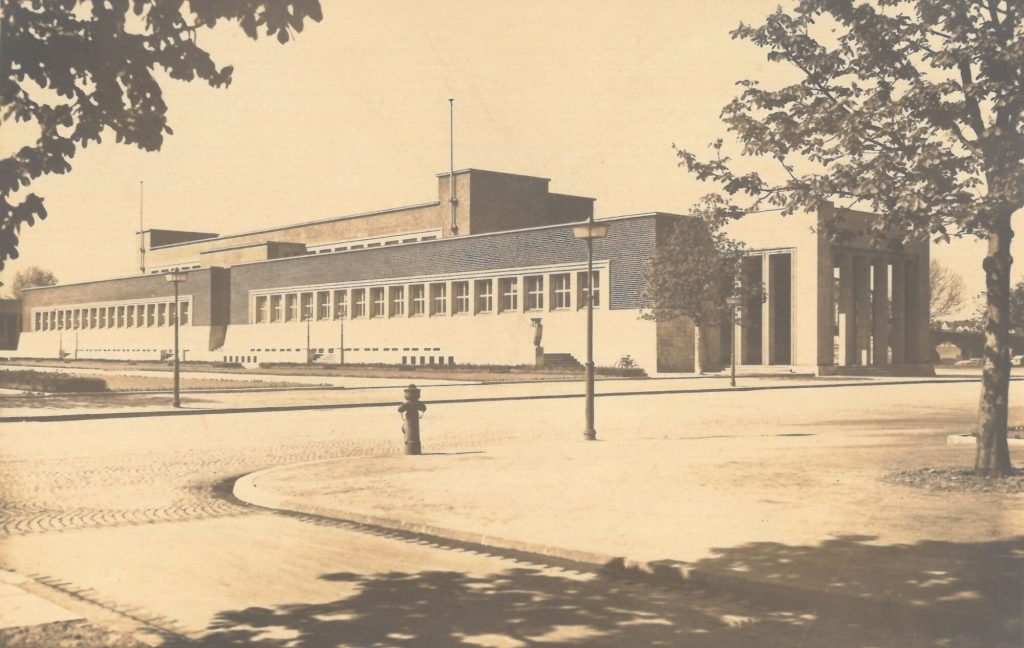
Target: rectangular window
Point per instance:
(561, 292)
(376, 302)
(460, 295)
(340, 304)
(535, 293)
(77, 317)
(484, 296)
(276, 314)
(291, 308)
(397, 301)
(306, 303)
(111, 315)
(417, 300)
(103, 318)
(120, 317)
(161, 316)
(183, 306)
(584, 288)
(150, 314)
(359, 303)
(60, 320)
(323, 305)
(260, 310)
(39, 321)
(438, 299)
(509, 288)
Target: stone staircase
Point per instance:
(561, 362)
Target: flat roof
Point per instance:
(302, 224)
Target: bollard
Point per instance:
(410, 411)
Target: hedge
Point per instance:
(44, 381)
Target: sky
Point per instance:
(353, 116)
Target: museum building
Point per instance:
(490, 273)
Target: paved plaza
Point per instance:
(496, 537)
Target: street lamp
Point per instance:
(734, 304)
(176, 278)
(590, 231)
(308, 311)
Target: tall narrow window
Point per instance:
(291, 308)
(438, 299)
(397, 295)
(276, 313)
(161, 315)
(306, 307)
(183, 309)
(584, 288)
(340, 304)
(103, 318)
(484, 296)
(260, 309)
(359, 303)
(77, 317)
(417, 300)
(376, 302)
(509, 288)
(460, 297)
(323, 305)
(561, 293)
(535, 293)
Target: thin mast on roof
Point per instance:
(142, 235)
(451, 177)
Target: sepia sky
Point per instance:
(353, 116)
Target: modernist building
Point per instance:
(404, 286)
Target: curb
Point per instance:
(881, 609)
(87, 416)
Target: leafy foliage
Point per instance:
(947, 291)
(910, 109)
(31, 277)
(80, 69)
(694, 273)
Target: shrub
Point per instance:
(42, 381)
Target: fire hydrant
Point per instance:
(410, 411)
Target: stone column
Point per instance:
(898, 334)
(862, 309)
(847, 335)
(880, 312)
(918, 315)
(767, 312)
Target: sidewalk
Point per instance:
(777, 511)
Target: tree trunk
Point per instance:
(698, 350)
(992, 458)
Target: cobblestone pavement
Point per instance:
(61, 476)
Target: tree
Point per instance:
(909, 108)
(692, 275)
(78, 69)
(31, 277)
(947, 291)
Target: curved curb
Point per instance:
(881, 609)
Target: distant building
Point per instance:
(399, 286)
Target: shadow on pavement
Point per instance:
(978, 590)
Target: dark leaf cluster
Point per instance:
(79, 70)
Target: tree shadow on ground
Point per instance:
(942, 589)
(534, 605)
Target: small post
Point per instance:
(734, 302)
(410, 411)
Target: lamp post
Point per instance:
(734, 305)
(590, 231)
(308, 311)
(176, 278)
